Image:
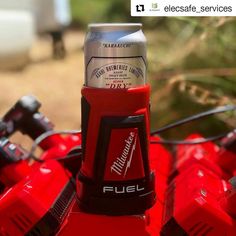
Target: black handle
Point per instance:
(25, 117)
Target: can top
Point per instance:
(114, 26)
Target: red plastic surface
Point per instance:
(23, 205)
(116, 103)
(196, 207)
(200, 195)
(198, 198)
(15, 172)
(115, 166)
(227, 161)
(57, 146)
(80, 223)
(205, 154)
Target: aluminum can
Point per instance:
(115, 56)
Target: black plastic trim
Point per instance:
(172, 228)
(50, 222)
(85, 111)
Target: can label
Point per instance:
(116, 73)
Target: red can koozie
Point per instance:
(115, 177)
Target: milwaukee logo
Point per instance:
(121, 165)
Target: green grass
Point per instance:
(87, 11)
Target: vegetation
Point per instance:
(193, 70)
(192, 63)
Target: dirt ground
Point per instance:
(56, 83)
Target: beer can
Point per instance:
(115, 56)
